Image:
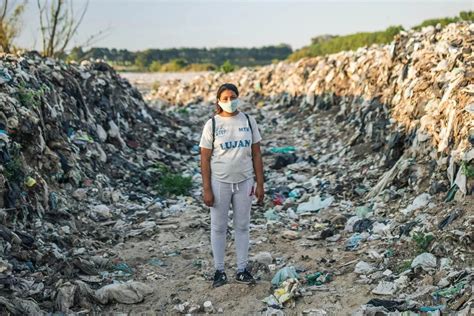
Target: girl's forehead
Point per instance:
(228, 92)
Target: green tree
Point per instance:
(328, 44)
(227, 66)
(76, 54)
(467, 15)
(174, 65)
(140, 61)
(155, 66)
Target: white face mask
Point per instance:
(229, 106)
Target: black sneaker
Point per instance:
(245, 277)
(220, 278)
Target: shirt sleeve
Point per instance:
(256, 133)
(206, 137)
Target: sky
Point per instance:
(142, 24)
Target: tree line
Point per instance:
(329, 44)
(178, 59)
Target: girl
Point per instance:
(230, 157)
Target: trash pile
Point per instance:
(368, 158)
(423, 78)
(79, 157)
(369, 175)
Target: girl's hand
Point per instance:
(208, 197)
(259, 194)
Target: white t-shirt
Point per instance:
(231, 160)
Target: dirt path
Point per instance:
(181, 276)
(184, 247)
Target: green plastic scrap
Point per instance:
(197, 263)
(450, 292)
(451, 193)
(157, 262)
(318, 278)
(122, 266)
(283, 150)
(173, 253)
(388, 253)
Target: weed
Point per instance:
(171, 183)
(422, 241)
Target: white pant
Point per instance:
(240, 196)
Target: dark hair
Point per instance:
(222, 88)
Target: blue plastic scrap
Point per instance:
(284, 274)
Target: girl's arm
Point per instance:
(258, 168)
(206, 176)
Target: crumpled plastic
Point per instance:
(353, 242)
(284, 274)
(128, 293)
(318, 278)
(314, 204)
(284, 294)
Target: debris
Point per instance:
(263, 257)
(385, 288)
(363, 267)
(284, 295)
(208, 308)
(284, 274)
(315, 204)
(128, 293)
(426, 261)
(420, 201)
(353, 242)
(318, 278)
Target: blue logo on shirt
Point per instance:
(220, 131)
(236, 144)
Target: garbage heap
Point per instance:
(424, 79)
(79, 150)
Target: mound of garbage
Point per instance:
(424, 79)
(79, 157)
